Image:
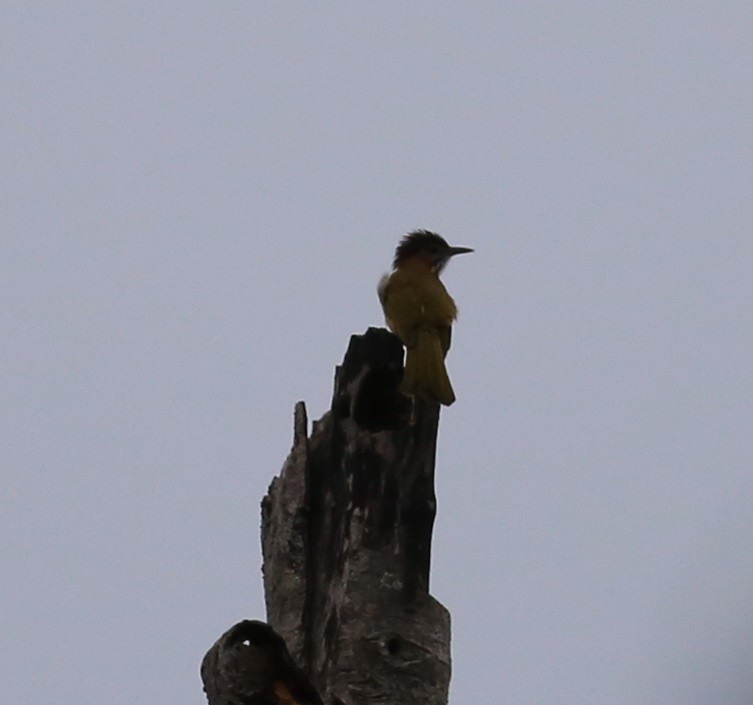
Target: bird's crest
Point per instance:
(418, 241)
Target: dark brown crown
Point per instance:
(419, 241)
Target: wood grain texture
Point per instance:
(346, 539)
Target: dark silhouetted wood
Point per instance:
(346, 538)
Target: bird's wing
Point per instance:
(403, 306)
(382, 288)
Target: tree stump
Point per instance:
(346, 539)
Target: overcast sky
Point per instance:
(197, 201)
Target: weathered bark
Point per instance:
(346, 539)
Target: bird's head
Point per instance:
(425, 249)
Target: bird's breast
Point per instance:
(417, 298)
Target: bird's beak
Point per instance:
(459, 250)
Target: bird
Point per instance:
(250, 665)
(420, 311)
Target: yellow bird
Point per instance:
(419, 310)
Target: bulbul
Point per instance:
(250, 665)
(419, 310)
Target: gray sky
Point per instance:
(197, 202)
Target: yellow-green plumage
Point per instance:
(421, 312)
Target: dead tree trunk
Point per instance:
(346, 539)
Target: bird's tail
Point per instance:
(425, 372)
